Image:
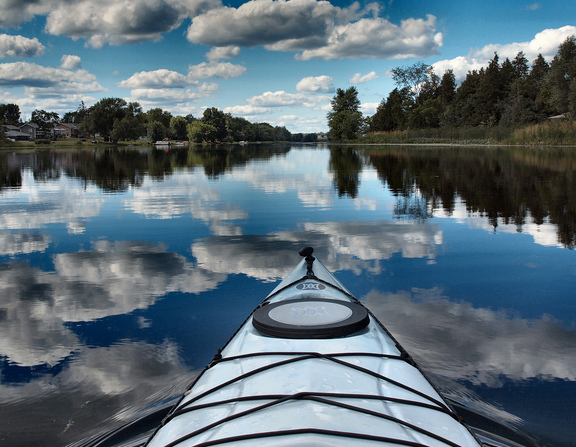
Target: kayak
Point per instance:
(311, 366)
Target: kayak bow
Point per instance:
(312, 366)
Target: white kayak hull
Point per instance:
(304, 370)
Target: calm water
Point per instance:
(123, 271)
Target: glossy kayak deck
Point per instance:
(358, 389)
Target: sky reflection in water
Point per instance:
(118, 285)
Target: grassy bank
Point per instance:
(551, 133)
(68, 143)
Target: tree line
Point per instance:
(118, 120)
(507, 93)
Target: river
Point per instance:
(122, 271)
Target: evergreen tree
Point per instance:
(345, 120)
(490, 91)
(537, 88)
(392, 113)
(462, 110)
(520, 66)
(562, 73)
(447, 87)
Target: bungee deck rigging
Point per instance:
(312, 366)
(324, 398)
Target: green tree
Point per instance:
(198, 132)
(490, 91)
(159, 115)
(412, 77)
(9, 113)
(45, 121)
(447, 87)
(345, 121)
(240, 129)
(520, 65)
(76, 117)
(392, 113)
(537, 89)
(264, 132)
(561, 76)
(101, 116)
(216, 118)
(426, 115)
(135, 109)
(282, 134)
(462, 111)
(179, 127)
(127, 128)
(429, 89)
(156, 131)
(520, 106)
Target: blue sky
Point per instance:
(275, 61)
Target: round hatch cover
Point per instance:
(310, 318)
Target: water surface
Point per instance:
(123, 271)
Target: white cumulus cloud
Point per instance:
(19, 46)
(224, 70)
(161, 94)
(70, 62)
(282, 98)
(358, 78)
(219, 53)
(318, 84)
(246, 110)
(118, 22)
(162, 78)
(263, 22)
(316, 29)
(545, 42)
(379, 38)
(39, 79)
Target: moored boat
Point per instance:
(311, 366)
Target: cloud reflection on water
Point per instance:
(101, 389)
(37, 204)
(23, 243)
(355, 246)
(185, 194)
(114, 278)
(480, 345)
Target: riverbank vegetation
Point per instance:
(509, 102)
(114, 120)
